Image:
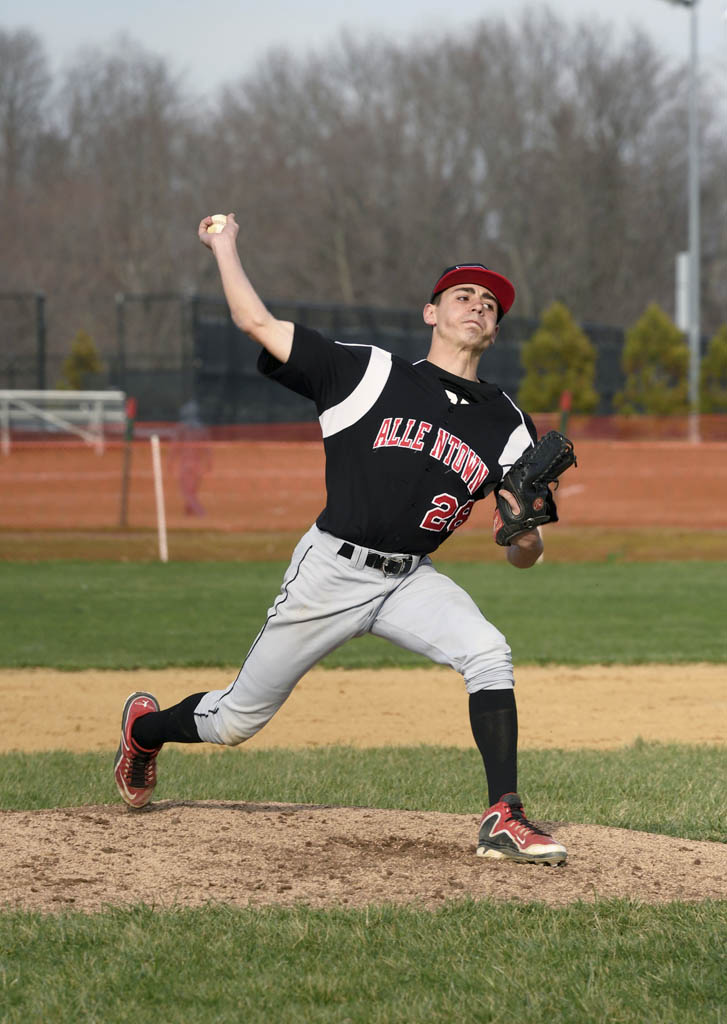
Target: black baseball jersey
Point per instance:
(409, 447)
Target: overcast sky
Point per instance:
(216, 41)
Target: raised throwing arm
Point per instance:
(247, 309)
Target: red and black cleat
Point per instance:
(505, 832)
(135, 768)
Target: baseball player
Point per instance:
(409, 450)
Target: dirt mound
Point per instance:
(244, 854)
(189, 854)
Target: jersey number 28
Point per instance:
(445, 514)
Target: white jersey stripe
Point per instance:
(518, 441)
(362, 398)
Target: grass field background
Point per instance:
(470, 961)
(671, 789)
(76, 615)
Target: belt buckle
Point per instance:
(393, 566)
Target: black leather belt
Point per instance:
(386, 563)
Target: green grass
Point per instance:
(611, 961)
(471, 962)
(670, 789)
(76, 615)
(616, 961)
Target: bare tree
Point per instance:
(536, 146)
(117, 210)
(125, 118)
(24, 84)
(539, 146)
(714, 213)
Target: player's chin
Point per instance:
(482, 330)
(482, 341)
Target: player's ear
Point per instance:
(430, 314)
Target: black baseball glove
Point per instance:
(527, 480)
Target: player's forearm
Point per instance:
(525, 549)
(247, 309)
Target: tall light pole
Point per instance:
(693, 304)
(694, 277)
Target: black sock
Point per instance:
(493, 717)
(175, 725)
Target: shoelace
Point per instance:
(138, 771)
(518, 815)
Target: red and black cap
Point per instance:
(476, 273)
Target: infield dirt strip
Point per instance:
(190, 853)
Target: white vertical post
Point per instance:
(694, 245)
(97, 426)
(156, 462)
(5, 425)
(681, 292)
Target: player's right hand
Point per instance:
(229, 230)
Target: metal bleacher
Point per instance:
(81, 413)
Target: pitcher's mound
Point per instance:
(245, 854)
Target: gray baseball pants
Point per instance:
(325, 600)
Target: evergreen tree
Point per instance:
(559, 357)
(714, 374)
(82, 359)
(655, 361)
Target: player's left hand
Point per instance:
(526, 547)
(528, 481)
(497, 520)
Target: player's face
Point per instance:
(466, 314)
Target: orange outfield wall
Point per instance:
(279, 485)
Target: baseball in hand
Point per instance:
(218, 222)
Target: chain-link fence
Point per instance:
(22, 340)
(173, 348)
